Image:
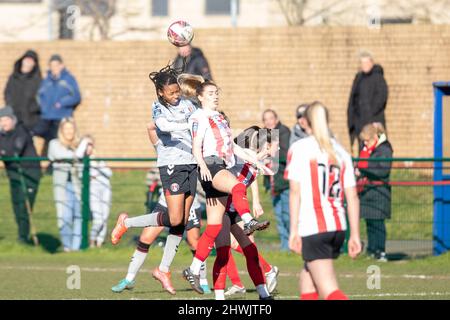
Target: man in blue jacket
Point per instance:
(58, 96)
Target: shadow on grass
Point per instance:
(398, 256)
(49, 242)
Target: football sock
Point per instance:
(337, 295)
(232, 272)
(170, 250)
(220, 295)
(206, 241)
(264, 264)
(254, 270)
(240, 202)
(309, 296)
(137, 260)
(203, 274)
(220, 268)
(155, 219)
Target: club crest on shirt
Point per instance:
(174, 187)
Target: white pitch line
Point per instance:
(385, 294)
(281, 274)
(401, 294)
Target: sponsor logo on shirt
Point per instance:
(194, 128)
(156, 112)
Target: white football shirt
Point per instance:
(322, 185)
(216, 134)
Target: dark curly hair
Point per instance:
(164, 77)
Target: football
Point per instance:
(180, 33)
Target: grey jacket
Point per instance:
(61, 170)
(297, 133)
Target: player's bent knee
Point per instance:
(177, 230)
(176, 221)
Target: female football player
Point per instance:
(258, 142)
(177, 167)
(320, 173)
(215, 152)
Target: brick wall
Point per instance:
(257, 69)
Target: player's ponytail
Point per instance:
(164, 77)
(188, 84)
(317, 117)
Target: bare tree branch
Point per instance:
(293, 10)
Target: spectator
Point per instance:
(22, 87)
(66, 182)
(194, 60)
(299, 130)
(100, 196)
(277, 184)
(58, 97)
(24, 176)
(368, 98)
(375, 192)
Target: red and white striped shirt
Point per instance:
(216, 134)
(322, 185)
(246, 174)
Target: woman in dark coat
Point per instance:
(374, 190)
(22, 87)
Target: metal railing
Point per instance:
(411, 185)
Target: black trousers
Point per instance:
(47, 129)
(376, 236)
(19, 204)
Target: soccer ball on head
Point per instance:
(180, 33)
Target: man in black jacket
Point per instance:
(21, 89)
(196, 62)
(278, 186)
(15, 140)
(368, 98)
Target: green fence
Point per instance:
(409, 231)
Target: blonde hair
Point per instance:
(317, 116)
(189, 83)
(90, 137)
(76, 140)
(371, 130)
(380, 128)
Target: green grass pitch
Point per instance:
(41, 273)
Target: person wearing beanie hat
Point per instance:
(58, 96)
(299, 131)
(15, 140)
(22, 87)
(7, 111)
